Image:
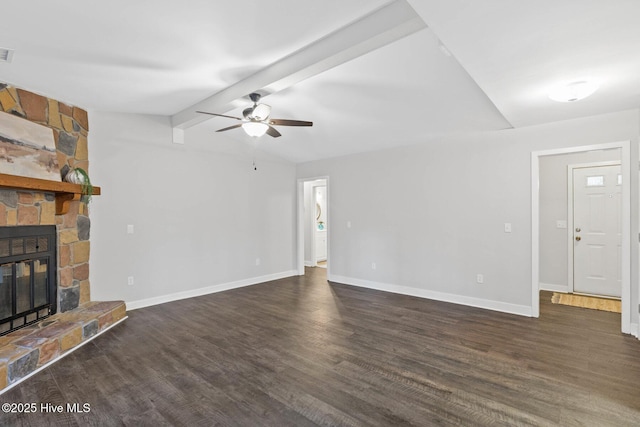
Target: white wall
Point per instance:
(431, 217)
(553, 207)
(201, 217)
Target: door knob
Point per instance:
(578, 230)
(578, 238)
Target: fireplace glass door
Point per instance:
(28, 275)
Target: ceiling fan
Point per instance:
(256, 121)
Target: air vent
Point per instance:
(5, 54)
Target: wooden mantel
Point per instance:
(65, 192)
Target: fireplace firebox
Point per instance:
(28, 272)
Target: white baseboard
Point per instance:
(133, 305)
(553, 287)
(635, 330)
(521, 310)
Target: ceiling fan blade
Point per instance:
(285, 122)
(219, 115)
(261, 112)
(229, 128)
(273, 132)
(247, 113)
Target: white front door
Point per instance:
(597, 230)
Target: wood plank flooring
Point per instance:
(304, 352)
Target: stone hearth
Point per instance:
(28, 349)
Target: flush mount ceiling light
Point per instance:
(573, 91)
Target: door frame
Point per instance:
(625, 164)
(300, 227)
(313, 223)
(570, 226)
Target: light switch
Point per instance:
(561, 224)
(507, 227)
(129, 228)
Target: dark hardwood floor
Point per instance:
(302, 352)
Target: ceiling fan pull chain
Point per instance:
(253, 154)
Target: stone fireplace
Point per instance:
(71, 129)
(32, 347)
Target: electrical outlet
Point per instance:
(479, 278)
(373, 266)
(129, 228)
(507, 227)
(130, 280)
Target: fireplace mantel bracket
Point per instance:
(65, 192)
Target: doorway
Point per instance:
(319, 224)
(594, 203)
(539, 221)
(313, 223)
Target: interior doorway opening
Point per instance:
(552, 238)
(313, 223)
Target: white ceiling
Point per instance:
(369, 78)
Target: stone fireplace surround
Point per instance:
(79, 319)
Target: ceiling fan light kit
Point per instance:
(255, 128)
(256, 121)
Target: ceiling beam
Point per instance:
(379, 28)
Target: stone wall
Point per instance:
(70, 128)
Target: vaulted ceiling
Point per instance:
(370, 74)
